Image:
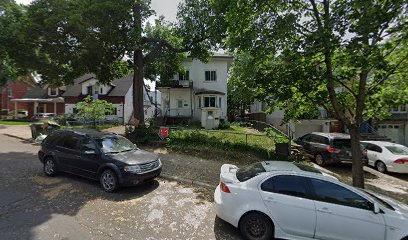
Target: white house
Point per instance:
(200, 93)
(119, 92)
(298, 128)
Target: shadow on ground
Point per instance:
(29, 198)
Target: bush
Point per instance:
(224, 125)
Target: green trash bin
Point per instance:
(43, 128)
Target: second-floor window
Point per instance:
(89, 90)
(210, 76)
(9, 92)
(184, 76)
(397, 109)
(52, 91)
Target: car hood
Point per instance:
(136, 156)
(400, 208)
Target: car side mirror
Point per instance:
(90, 152)
(376, 208)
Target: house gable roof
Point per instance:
(120, 86)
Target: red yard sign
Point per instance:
(164, 132)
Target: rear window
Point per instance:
(246, 173)
(341, 143)
(398, 150)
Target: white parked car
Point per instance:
(291, 201)
(387, 156)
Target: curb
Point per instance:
(186, 180)
(14, 136)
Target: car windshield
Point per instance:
(398, 150)
(382, 202)
(249, 172)
(341, 143)
(115, 144)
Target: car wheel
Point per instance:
(319, 160)
(50, 167)
(109, 181)
(381, 167)
(256, 226)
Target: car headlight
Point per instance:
(132, 169)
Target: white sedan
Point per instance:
(275, 199)
(387, 156)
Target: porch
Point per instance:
(41, 105)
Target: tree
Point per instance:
(338, 54)
(14, 47)
(93, 109)
(78, 36)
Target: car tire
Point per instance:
(50, 167)
(319, 160)
(381, 167)
(256, 226)
(109, 180)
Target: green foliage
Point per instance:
(15, 48)
(224, 125)
(260, 145)
(291, 59)
(90, 109)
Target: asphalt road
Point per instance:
(33, 206)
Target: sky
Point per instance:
(167, 8)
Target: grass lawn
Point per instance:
(234, 143)
(5, 122)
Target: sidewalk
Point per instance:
(22, 132)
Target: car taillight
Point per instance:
(401, 161)
(224, 187)
(333, 150)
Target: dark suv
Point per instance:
(327, 147)
(107, 157)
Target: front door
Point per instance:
(344, 214)
(286, 198)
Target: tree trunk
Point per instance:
(138, 108)
(357, 168)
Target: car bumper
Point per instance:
(397, 168)
(224, 207)
(131, 179)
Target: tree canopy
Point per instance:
(78, 36)
(341, 55)
(15, 49)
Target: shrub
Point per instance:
(224, 125)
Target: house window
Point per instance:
(209, 101)
(184, 76)
(9, 92)
(199, 102)
(89, 90)
(210, 76)
(219, 102)
(101, 92)
(179, 103)
(52, 91)
(398, 109)
(113, 112)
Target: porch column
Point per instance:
(35, 107)
(15, 109)
(55, 107)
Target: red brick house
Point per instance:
(45, 99)
(15, 90)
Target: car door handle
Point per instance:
(324, 210)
